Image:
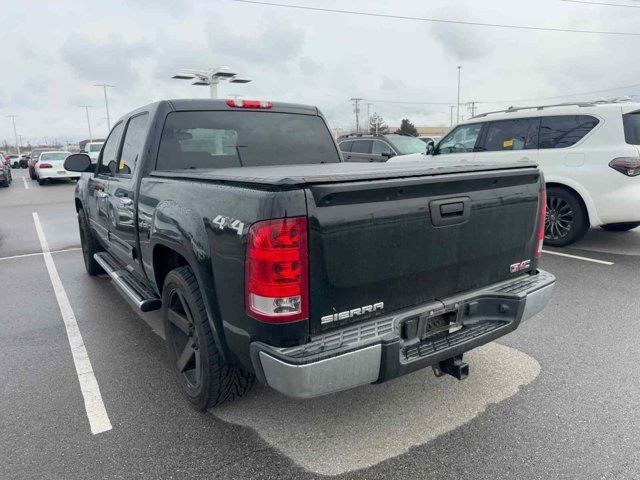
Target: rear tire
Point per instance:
(204, 378)
(90, 246)
(620, 227)
(567, 220)
(42, 182)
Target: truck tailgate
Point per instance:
(402, 242)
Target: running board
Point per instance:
(139, 294)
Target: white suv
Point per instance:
(589, 153)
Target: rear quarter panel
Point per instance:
(186, 216)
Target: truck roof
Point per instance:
(295, 175)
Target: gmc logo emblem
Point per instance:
(520, 266)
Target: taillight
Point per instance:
(276, 270)
(541, 221)
(45, 165)
(629, 166)
(249, 104)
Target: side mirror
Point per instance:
(430, 149)
(388, 155)
(77, 162)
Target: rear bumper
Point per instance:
(382, 349)
(46, 173)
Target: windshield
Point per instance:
(407, 145)
(243, 139)
(95, 147)
(54, 156)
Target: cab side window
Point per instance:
(110, 151)
(462, 139)
(133, 144)
(517, 134)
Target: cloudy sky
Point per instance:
(52, 53)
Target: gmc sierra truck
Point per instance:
(271, 258)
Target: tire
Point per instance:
(90, 246)
(32, 175)
(620, 227)
(15, 165)
(567, 220)
(42, 181)
(203, 376)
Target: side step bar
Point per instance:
(140, 295)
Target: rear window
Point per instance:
(631, 123)
(54, 156)
(565, 131)
(243, 139)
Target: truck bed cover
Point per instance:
(294, 175)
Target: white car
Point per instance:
(50, 166)
(93, 150)
(589, 154)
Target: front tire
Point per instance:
(204, 378)
(90, 246)
(620, 227)
(566, 221)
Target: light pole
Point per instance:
(15, 132)
(210, 77)
(86, 108)
(356, 109)
(458, 108)
(451, 107)
(106, 102)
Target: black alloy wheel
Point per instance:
(559, 219)
(185, 342)
(566, 220)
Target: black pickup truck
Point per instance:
(271, 258)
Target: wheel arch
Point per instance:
(581, 194)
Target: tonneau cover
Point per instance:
(336, 172)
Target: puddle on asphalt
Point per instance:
(362, 427)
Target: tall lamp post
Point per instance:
(210, 78)
(86, 108)
(15, 132)
(458, 107)
(106, 102)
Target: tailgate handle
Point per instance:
(450, 211)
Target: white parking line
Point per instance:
(26, 184)
(576, 257)
(40, 253)
(93, 404)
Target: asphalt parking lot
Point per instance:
(558, 398)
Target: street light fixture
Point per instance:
(210, 77)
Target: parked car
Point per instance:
(313, 277)
(93, 149)
(378, 148)
(35, 155)
(589, 152)
(18, 161)
(5, 172)
(50, 166)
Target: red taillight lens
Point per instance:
(276, 270)
(541, 221)
(629, 166)
(249, 104)
(45, 165)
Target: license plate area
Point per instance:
(428, 326)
